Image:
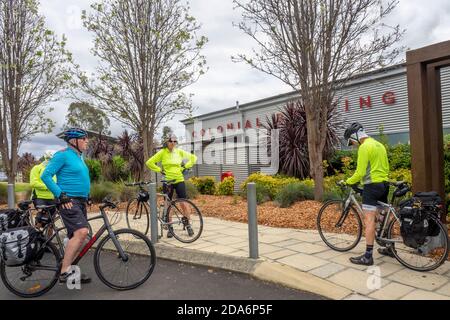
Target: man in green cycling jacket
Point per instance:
(171, 159)
(372, 171)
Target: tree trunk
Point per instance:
(315, 151)
(145, 171)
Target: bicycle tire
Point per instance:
(443, 258)
(11, 288)
(143, 209)
(327, 238)
(131, 233)
(179, 233)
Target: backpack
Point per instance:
(9, 218)
(19, 246)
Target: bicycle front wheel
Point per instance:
(186, 221)
(128, 273)
(340, 230)
(138, 216)
(426, 257)
(36, 278)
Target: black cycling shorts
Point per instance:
(180, 189)
(75, 218)
(375, 192)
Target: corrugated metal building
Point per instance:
(373, 99)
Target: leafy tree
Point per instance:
(316, 46)
(33, 70)
(85, 116)
(26, 162)
(149, 52)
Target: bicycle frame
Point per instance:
(351, 200)
(106, 227)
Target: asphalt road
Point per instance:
(176, 281)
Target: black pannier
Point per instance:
(19, 246)
(9, 218)
(416, 223)
(414, 226)
(432, 203)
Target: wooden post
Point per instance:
(425, 116)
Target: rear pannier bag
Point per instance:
(9, 219)
(414, 226)
(432, 203)
(19, 246)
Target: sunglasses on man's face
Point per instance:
(173, 141)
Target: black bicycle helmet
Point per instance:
(352, 129)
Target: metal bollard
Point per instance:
(153, 212)
(252, 221)
(11, 196)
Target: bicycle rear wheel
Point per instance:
(118, 274)
(186, 220)
(138, 216)
(36, 278)
(429, 256)
(340, 230)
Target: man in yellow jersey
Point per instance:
(41, 196)
(372, 171)
(171, 159)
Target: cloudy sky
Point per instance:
(426, 22)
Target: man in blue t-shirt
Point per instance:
(72, 190)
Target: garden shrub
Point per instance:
(205, 185)
(226, 187)
(401, 175)
(106, 188)
(336, 165)
(119, 169)
(399, 156)
(191, 190)
(95, 169)
(3, 193)
(294, 192)
(332, 194)
(272, 185)
(126, 192)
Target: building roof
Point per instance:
(357, 79)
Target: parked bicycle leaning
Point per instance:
(172, 168)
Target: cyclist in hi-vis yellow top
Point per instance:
(372, 171)
(171, 159)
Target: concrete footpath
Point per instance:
(299, 259)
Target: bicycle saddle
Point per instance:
(24, 205)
